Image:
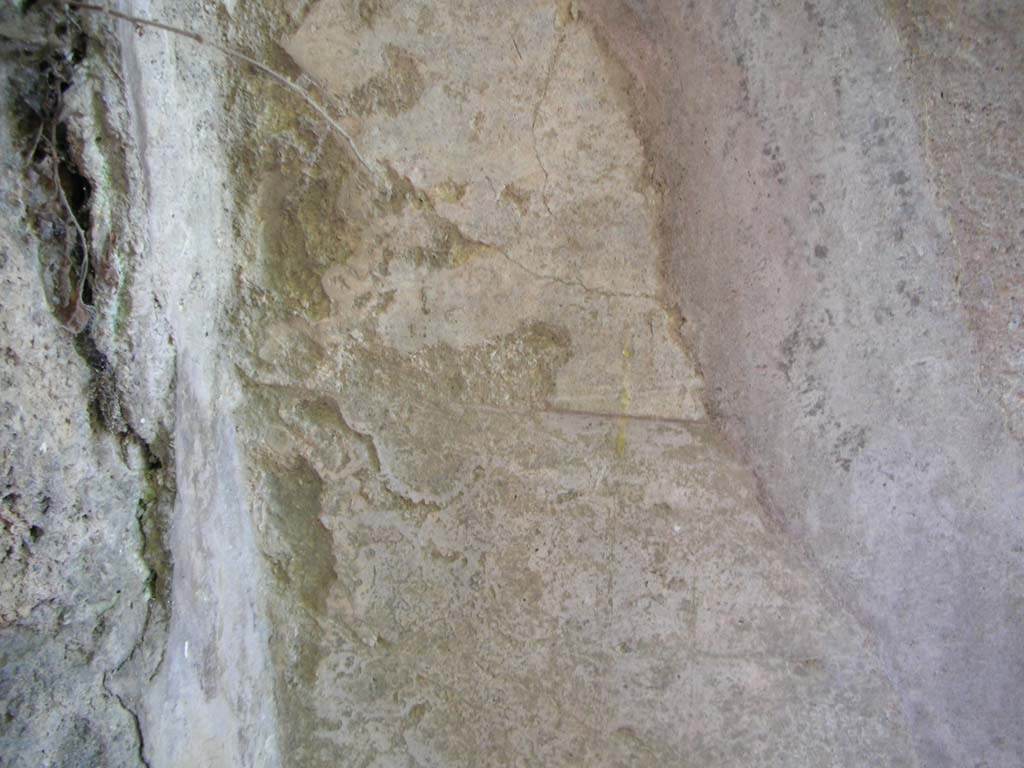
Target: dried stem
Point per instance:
(281, 79)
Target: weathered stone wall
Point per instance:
(86, 486)
(546, 383)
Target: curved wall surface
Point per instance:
(846, 248)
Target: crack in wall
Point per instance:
(548, 75)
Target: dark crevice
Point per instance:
(59, 194)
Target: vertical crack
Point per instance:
(548, 74)
(139, 740)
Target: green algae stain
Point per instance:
(393, 91)
(305, 230)
(295, 491)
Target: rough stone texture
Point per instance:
(611, 383)
(74, 588)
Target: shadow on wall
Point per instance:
(810, 249)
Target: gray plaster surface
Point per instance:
(818, 246)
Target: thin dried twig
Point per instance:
(35, 142)
(281, 79)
